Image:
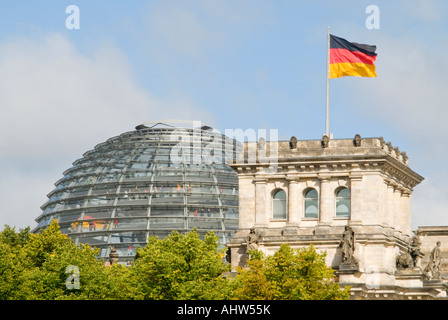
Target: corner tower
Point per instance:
(318, 188)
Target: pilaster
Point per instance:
(355, 198)
(261, 219)
(325, 201)
(293, 202)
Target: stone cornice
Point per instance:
(334, 166)
(336, 148)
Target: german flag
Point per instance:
(351, 59)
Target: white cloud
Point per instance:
(52, 94)
(22, 194)
(57, 103)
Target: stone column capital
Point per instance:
(260, 180)
(324, 178)
(293, 179)
(355, 177)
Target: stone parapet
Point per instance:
(310, 159)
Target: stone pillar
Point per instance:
(356, 199)
(246, 201)
(261, 219)
(325, 202)
(397, 210)
(406, 212)
(293, 202)
(390, 204)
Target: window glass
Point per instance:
(70, 216)
(131, 224)
(205, 223)
(279, 205)
(343, 203)
(311, 204)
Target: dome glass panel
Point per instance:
(147, 182)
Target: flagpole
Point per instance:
(327, 118)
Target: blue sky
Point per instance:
(232, 64)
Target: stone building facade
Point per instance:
(319, 191)
(429, 236)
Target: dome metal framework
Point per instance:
(147, 182)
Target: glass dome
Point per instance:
(147, 182)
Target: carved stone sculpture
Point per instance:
(228, 255)
(293, 143)
(252, 241)
(113, 256)
(405, 157)
(415, 249)
(432, 270)
(409, 259)
(357, 140)
(390, 148)
(348, 245)
(404, 260)
(382, 142)
(325, 141)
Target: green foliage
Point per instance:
(289, 274)
(36, 269)
(180, 266)
(9, 269)
(12, 238)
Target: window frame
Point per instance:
(315, 200)
(338, 199)
(284, 213)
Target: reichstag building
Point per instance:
(147, 182)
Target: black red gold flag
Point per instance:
(351, 58)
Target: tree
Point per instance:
(10, 237)
(251, 283)
(35, 267)
(181, 267)
(10, 268)
(288, 274)
(11, 260)
(50, 265)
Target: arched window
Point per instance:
(279, 205)
(311, 204)
(343, 202)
